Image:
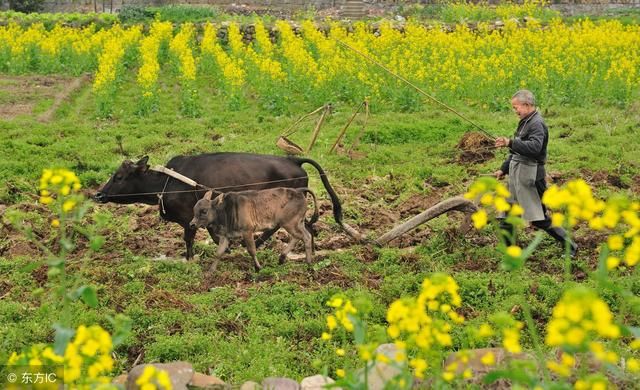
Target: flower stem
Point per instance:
(535, 337)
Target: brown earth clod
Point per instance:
(475, 148)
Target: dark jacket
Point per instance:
(530, 140)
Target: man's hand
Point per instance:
(498, 174)
(501, 142)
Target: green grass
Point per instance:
(240, 325)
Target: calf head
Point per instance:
(126, 180)
(204, 212)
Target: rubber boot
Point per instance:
(507, 231)
(561, 236)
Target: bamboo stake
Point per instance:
(344, 130)
(316, 131)
(356, 141)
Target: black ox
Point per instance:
(223, 172)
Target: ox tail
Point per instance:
(337, 207)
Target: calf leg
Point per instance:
(216, 237)
(222, 246)
(265, 236)
(298, 232)
(251, 248)
(288, 248)
(213, 235)
(308, 242)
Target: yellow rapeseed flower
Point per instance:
(479, 219)
(633, 365)
(514, 251)
(488, 359)
(511, 340)
(612, 262)
(615, 242)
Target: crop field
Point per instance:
(75, 102)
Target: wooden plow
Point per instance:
(364, 105)
(290, 147)
(283, 142)
(456, 203)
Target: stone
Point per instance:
(382, 373)
(179, 372)
(389, 350)
(280, 384)
(250, 386)
(316, 382)
(120, 379)
(475, 362)
(379, 375)
(475, 356)
(202, 380)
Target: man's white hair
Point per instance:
(525, 96)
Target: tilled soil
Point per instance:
(148, 235)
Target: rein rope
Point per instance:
(161, 195)
(399, 77)
(206, 188)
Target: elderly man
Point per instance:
(525, 167)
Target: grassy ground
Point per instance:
(242, 325)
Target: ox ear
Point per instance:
(207, 195)
(218, 200)
(142, 163)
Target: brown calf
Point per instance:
(241, 214)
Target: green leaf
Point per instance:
(635, 331)
(513, 374)
(53, 271)
(528, 251)
(122, 328)
(37, 292)
(62, 338)
(96, 243)
(359, 334)
(67, 245)
(31, 266)
(88, 295)
(55, 262)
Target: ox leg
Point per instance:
(265, 236)
(189, 236)
(251, 248)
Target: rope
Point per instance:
(160, 195)
(415, 87)
(206, 188)
(290, 130)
